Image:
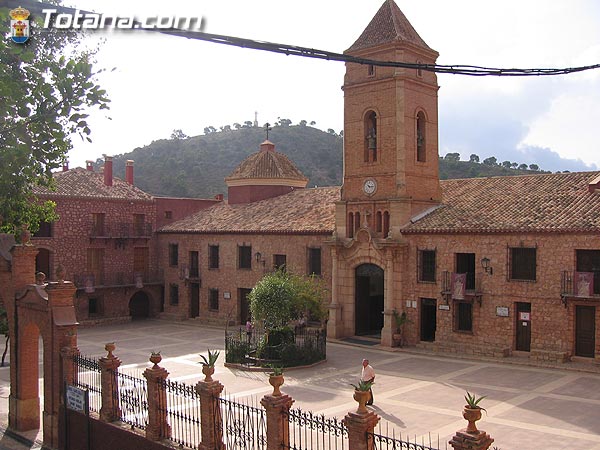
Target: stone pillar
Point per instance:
(478, 440)
(278, 426)
(334, 324)
(359, 424)
(211, 426)
(109, 365)
(157, 427)
(389, 301)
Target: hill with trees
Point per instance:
(184, 166)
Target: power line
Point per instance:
(305, 52)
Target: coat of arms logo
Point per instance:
(19, 25)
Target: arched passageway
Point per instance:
(368, 299)
(139, 306)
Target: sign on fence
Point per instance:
(76, 399)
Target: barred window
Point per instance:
(173, 255)
(523, 263)
(244, 257)
(426, 265)
(463, 316)
(213, 256)
(314, 261)
(213, 299)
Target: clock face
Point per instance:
(370, 186)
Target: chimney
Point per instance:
(219, 197)
(108, 170)
(267, 146)
(129, 171)
(594, 185)
(89, 165)
(65, 166)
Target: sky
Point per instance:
(161, 83)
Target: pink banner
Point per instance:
(459, 282)
(583, 284)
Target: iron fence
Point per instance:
(87, 376)
(310, 431)
(243, 426)
(389, 441)
(132, 396)
(182, 410)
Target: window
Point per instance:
(386, 224)
(465, 263)
(421, 153)
(213, 299)
(314, 261)
(213, 256)
(173, 294)
(463, 316)
(139, 225)
(168, 214)
(350, 225)
(93, 306)
(522, 263)
(45, 230)
(173, 255)
(95, 264)
(378, 222)
(426, 264)
(356, 222)
(589, 261)
(370, 137)
(279, 262)
(419, 69)
(194, 265)
(371, 70)
(98, 228)
(244, 257)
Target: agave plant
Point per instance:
(473, 401)
(362, 385)
(277, 370)
(211, 359)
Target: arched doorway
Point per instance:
(139, 306)
(368, 299)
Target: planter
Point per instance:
(472, 415)
(208, 371)
(155, 358)
(397, 338)
(276, 381)
(362, 397)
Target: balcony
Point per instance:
(472, 290)
(579, 285)
(91, 281)
(120, 232)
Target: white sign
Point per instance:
(524, 316)
(75, 399)
(502, 311)
(444, 307)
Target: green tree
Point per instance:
(281, 297)
(534, 167)
(452, 157)
(491, 161)
(178, 134)
(47, 88)
(506, 164)
(474, 158)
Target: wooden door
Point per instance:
(523, 318)
(428, 319)
(585, 331)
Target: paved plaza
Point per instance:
(527, 407)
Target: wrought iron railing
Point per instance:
(310, 431)
(183, 413)
(132, 395)
(567, 284)
(87, 376)
(90, 281)
(243, 426)
(385, 438)
(121, 230)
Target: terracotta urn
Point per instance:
(208, 371)
(155, 358)
(397, 338)
(276, 381)
(362, 397)
(472, 415)
(110, 348)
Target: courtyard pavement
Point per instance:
(415, 393)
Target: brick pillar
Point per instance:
(211, 425)
(157, 427)
(109, 365)
(359, 424)
(278, 426)
(478, 440)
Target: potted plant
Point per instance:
(276, 380)
(362, 394)
(155, 358)
(399, 320)
(472, 411)
(208, 364)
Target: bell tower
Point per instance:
(390, 129)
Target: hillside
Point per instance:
(197, 166)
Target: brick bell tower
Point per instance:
(390, 167)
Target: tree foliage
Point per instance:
(281, 297)
(47, 87)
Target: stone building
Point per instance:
(104, 241)
(481, 266)
(213, 259)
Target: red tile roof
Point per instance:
(388, 25)
(84, 183)
(303, 211)
(529, 203)
(267, 164)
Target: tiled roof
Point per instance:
(266, 164)
(388, 25)
(529, 203)
(303, 211)
(84, 183)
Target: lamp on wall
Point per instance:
(485, 263)
(258, 256)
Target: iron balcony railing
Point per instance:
(89, 281)
(121, 230)
(568, 288)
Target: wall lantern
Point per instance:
(258, 256)
(485, 263)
